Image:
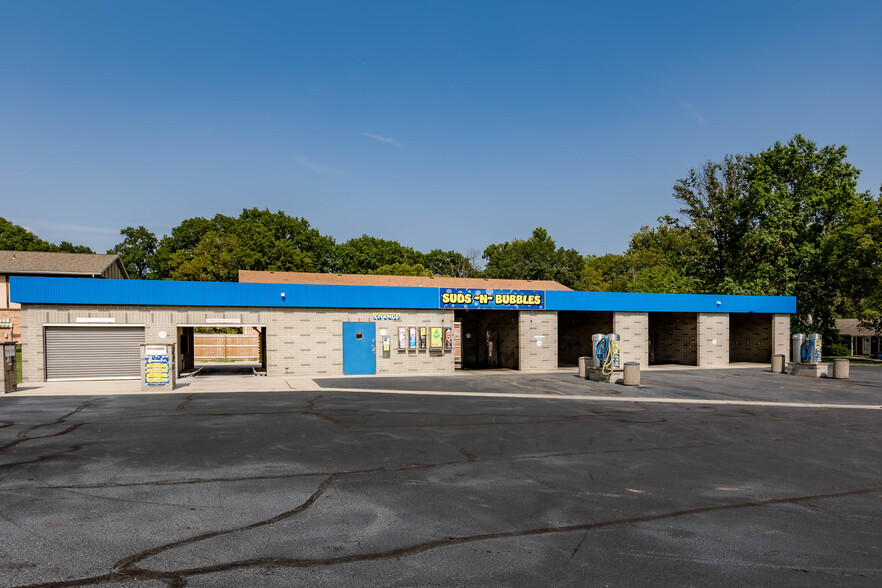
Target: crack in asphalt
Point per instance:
(387, 468)
(25, 435)
(42, 458)
(469, 456)
(125, 570)
(127, 565)
(128, 570)
(187, 400)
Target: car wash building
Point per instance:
(93, 329)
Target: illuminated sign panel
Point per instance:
(489, 299)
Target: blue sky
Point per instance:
(437, 124)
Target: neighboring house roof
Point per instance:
(57, 264)
(400, 281)
(852, 327)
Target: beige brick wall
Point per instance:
(309, 341)
(537, 327)
(781, 335)
(633, 328)
(713, 339)
(674, 337)
(574, 330)
(299, 341)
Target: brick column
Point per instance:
(535, 327)
(633, 328)
(713, 339)
(781, 335)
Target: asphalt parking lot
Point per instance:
(357, 483)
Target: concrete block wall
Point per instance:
(713, 339)
(538, 340)
(154, 320)
(751, 337)
(300, 341)
(574, 330)
(309, 341)
(781, 335)
(674, 337)
(633, 328)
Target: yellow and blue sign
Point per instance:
(156, 370)
(489, 299)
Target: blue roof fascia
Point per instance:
(38, 290)
(642, 302)
(46, 290)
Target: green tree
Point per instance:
(212, 260)
(598, 272)
(17, 238)
(363, 255)
(798, 195)
(451, 263)
(183, 238)
(136, 251)
(536, 258)
(264, 240)
(854, 252)
(68, 247)
(712, 199)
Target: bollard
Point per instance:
(632, 374)
(840, 369)
(584, 363)
(778, 363)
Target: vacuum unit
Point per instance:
(806, 348)
(607, 352)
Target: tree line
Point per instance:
(788, 221)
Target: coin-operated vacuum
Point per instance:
(807, 348)
(607, 352)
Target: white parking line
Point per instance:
(647, 399)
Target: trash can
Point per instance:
(631, 376)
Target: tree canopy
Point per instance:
(536, 258)
(17, 238)
(785, 221)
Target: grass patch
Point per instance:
(856, 360)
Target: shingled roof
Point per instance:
(57, 264)
(409, 281)
(851, 326)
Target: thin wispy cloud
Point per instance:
(697, 115)
(36, 226)
(319, 169)
(383, 139)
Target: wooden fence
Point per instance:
(226, 347)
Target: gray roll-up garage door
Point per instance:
(93, 353)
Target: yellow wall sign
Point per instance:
(492, 299)
(436, 338)
(156, 370)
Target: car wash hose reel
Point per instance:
(807, 348)
(607, 352)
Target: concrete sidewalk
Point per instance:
(200, 384)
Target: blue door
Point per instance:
(359, 354)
